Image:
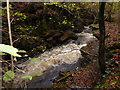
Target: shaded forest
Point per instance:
(40, 27)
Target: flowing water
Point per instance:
(62, 58)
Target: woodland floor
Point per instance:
(88, 76)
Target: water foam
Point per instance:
(65, 54)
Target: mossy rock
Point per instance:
(27, 42)
(68, 35)
(72, 35)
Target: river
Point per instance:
(66, 57)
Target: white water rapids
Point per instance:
(65, 54)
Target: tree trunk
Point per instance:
(102, 38)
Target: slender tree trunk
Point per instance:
(102, 38)
(10, 34)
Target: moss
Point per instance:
(95, 31)
(72, 35)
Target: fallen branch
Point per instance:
(63, 78)
(87, 53)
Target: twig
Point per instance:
(12, 20)
(16, 40)
(2, 8)
(61, 12)
(14, 66)
(63, 78)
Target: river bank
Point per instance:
(89, 76)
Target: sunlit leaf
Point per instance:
(27, 77)
(23, 51)
(8, 76)
(9, 49)
(37, 74)
(1, 53)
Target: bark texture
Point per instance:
(102, 38)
